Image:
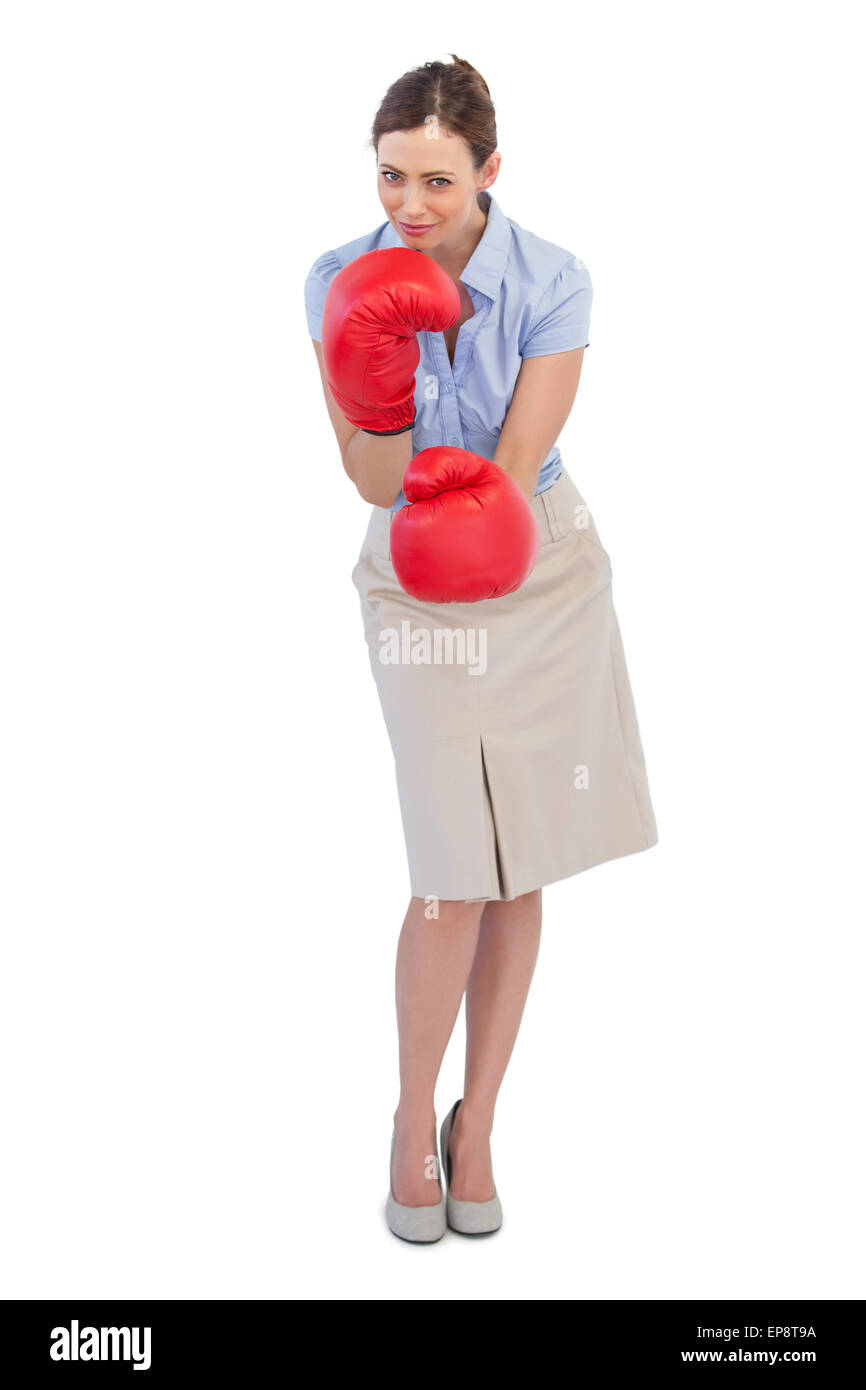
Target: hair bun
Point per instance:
(467, 67)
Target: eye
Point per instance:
(440, 180)
(386, 172)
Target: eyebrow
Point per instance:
(431, 173)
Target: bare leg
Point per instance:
(508, 942)
(434, 958)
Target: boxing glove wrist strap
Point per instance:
(382, 433)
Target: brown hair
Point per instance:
(455, 93)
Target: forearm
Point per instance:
(540, 405)
(523, 473)
(376, 464)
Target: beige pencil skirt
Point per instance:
(512, 723)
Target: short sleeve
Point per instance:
(322, 272)
(561, 319)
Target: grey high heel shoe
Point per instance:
(469, 1218)
(421, 1224)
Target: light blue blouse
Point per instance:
(531, 297)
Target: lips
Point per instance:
(416, 230)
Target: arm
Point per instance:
(374, 309)
(375, 464)
(540, 405)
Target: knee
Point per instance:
(452, 910)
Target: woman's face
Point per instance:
(428, 187)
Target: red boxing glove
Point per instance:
(468, 532)
(373, 309)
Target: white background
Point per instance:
(203, 869)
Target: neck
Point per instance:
(454, 256)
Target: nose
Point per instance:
(413, 207)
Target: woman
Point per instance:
(529, 768)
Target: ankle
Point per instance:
(474, 1118)
(414, 1118)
